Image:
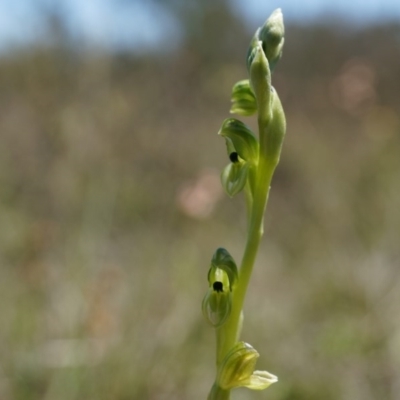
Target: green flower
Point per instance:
(242, 148)
(243, 99)
(240, 138)
(237, 370)
(217, 304)
(222, 278)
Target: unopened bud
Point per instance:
(260, 80)
(271, 34)
(274, 131)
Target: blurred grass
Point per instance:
(109, 215)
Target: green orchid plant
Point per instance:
(252, 164)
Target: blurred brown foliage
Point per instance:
(110, 212)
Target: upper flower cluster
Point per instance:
(271, 36)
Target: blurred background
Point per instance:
(111, 207)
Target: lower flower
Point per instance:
(237, 370)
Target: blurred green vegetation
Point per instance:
(110, 210)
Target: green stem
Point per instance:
(228, 334)
(219, 394)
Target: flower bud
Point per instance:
(260, 80)
(271, 34)
(274, 131)
(237, 370)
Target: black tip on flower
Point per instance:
(234, 157)
(218, 286)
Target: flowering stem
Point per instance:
(252, 166)
(228, 334)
